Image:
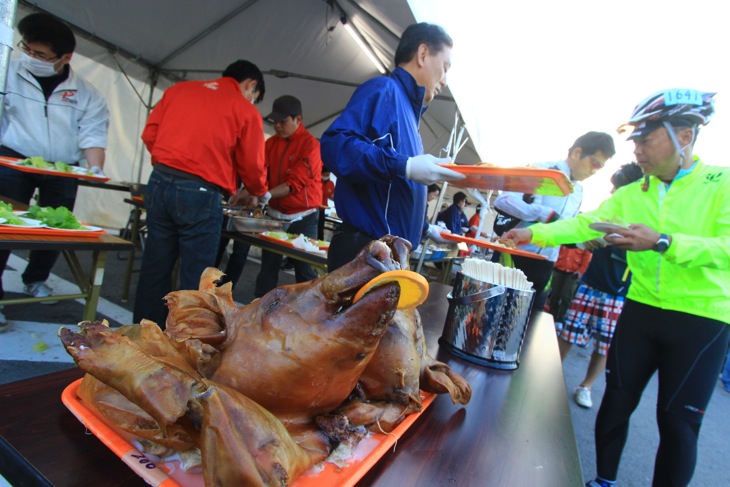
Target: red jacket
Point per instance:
(328, 191)
(207, 128)
(573, 259)
(295, 160)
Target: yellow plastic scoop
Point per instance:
(413, 287)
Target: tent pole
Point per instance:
(7, 19)
(154, 76)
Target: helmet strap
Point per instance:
(675, 141)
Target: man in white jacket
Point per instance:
(52, 113)
(586, 156)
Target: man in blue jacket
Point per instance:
(375, 150)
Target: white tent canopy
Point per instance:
(131, 50)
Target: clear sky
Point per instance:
(531, 76)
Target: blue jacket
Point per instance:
(607, 271)
(454, 219)
(367, 147)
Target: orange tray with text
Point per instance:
(490, 245)
(169, 474)
(530, 180)
(13, 162)
(54, 232)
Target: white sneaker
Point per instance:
(39, 290)
(583, 397)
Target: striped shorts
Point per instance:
(592, 313)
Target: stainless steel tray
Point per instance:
(240, 220)
(255, 225)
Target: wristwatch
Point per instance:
(662, 244)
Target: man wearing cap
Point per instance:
(294, 168)
(586, 156)
(675, 320)
(454, 216)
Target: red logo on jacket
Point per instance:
(68, 96)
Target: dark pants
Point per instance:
(184, 218)
(271, 261)
(562, 291)
(345, 245)
(538, 272)
(687, 352)
(53, 191)
(236, 261)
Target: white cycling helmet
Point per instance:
(678, 107)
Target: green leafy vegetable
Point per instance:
(37, 162)
(6, 212)
(63, 167)
(60, 217)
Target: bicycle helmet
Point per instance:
(679, 107)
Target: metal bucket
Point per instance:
(486, 323)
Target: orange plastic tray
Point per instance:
(168, 474)
(489, 245)
(287, 243)
(55, 232)
(13, 162)
(531, 180)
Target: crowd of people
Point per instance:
(651, 294)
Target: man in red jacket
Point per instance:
(294, 178)
(203, 137)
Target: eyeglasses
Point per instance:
(43, 56)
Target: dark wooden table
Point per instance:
(515, 432)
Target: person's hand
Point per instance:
(434, 233)
(97, 171)
(637, 237)
(424, 169)
(518, 235)
(239, 198)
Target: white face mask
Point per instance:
(42, 69)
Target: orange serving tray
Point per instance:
(489, 245)
(531, 180)
(287, 243)
(55, 232)
(168, 474)
(13, 162)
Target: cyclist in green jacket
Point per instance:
(675, 224)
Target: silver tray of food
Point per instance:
(252, 221)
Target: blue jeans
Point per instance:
(53, 191)
(271, 261)
(184, 219)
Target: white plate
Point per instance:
(607, 227)
(2, 220)
(87, 228)
(29, 223)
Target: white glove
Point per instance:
(97, 171)
(434, 233)
(264, 200)
(424, 169)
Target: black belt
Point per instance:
(347, 228)
(164, 169)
